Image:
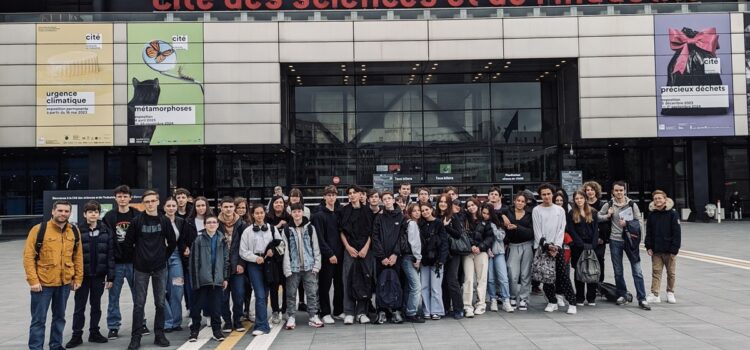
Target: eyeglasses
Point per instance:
(150, 201)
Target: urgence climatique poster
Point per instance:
(165, 84)
(74, 91)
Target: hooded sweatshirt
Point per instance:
(615, 219)
(663, 231)
(327, 228)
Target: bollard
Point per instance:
(718, 211)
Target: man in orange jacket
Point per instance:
(52, 275)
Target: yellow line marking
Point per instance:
(234, 337)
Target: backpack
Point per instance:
(40, 238)
(360, 280)
(388, 293)
(587, 267)
(431, 249)
(609, 292)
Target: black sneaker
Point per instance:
(218, 335)
(239, 327)
(112, 335)
(144, 330)
(74, 341)
(161, 340)
(644, 305)
(414, 319)
(135, 343)
(193, 337)
(227, 328)
(458, 315)
(96, 337)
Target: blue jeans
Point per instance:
(40, 303)
(258, 281)
(616, 249)
(236, 291)
(175, 288)
(122, 272)
(432, 291)
(413, 285)
(498, 275)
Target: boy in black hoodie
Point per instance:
(151, 238)
(98, 269)
(332, 255)
(119, 221)
(386, 234)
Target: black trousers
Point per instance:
(331, 274)
(452, 285)
(600, 250)
(207, 298)
(91, 290)
(562, 283)
(273, 289)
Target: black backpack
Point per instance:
(40, 238)
(609, 292)
(388, 293)
(360, 279)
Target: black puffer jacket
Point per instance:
(481, 234)
(440, 250)
(386, 234)
(98, 251)
(663, 232)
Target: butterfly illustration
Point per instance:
(153, 50)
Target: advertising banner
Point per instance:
(74, 77)
(79, 198)
(693, 75)
(165, 84)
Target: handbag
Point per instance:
(543, 267)
(460, 246)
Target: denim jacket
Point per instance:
(303, 252)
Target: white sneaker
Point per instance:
(479, 310)
(654, 299)
(513, 302)
(670, 298)
(560, 300)
(348, 319)
(468, 313)
(550, 307)
(507, 307)
(340, 316)
(522, 305)
(327, 319)
(276, 318)
(315, 322)
(493, 305)
(363, 319)
(572, 310)
(291, 323)
(258, 332)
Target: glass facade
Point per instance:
(420, 128)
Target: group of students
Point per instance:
(421, 261)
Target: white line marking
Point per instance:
(263, 342)
(203, 337)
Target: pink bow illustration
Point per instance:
(706, 39)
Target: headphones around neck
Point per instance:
(257, 228)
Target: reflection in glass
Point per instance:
(389, 98)
(517, 126)
(443, 97)
(324, 99)
(456, 126)
(389, 127)
(516, 95)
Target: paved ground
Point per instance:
(713, 311)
